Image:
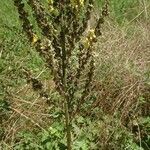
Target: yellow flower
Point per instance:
(86, 43)
(34, 38)
(51, 8)
(81, 2)
(91, 34)
(76, 3)
(50, 2)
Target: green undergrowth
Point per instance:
(87, 135)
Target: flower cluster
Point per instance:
(77, 3)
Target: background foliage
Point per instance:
(118, 120)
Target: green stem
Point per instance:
(68, 125)
(66, 99)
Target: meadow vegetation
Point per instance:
(108, 107)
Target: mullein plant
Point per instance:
(67, 47)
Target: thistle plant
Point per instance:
(66, 45)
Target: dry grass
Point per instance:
(123, 66)
(29, 111)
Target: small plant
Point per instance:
(66, 44)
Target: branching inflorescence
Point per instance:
(66, 45)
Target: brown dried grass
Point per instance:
(123, 65)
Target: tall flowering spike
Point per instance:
(67, 44)
(40, 16)
(42, 47)
(23, 15)
(86, 18)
